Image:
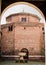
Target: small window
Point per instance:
(43, 35)
(10, 28)
(43, 28)
(23, 19)
(1, 33)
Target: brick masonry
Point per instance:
(27, 34)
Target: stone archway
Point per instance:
(25, 51)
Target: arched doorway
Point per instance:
(24, 50)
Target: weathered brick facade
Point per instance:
(26, 33)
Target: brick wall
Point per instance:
(7, 40)
(30, 37)
(18, 18)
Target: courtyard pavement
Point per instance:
(28, 63)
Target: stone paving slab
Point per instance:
(28, 63)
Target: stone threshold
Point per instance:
(18, 56)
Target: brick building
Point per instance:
(23, 30)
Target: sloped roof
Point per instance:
(21, 24)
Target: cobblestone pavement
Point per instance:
(28, 63)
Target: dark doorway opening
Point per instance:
(24, 50)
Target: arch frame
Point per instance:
(25, 3)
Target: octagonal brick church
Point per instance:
(23, 30)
